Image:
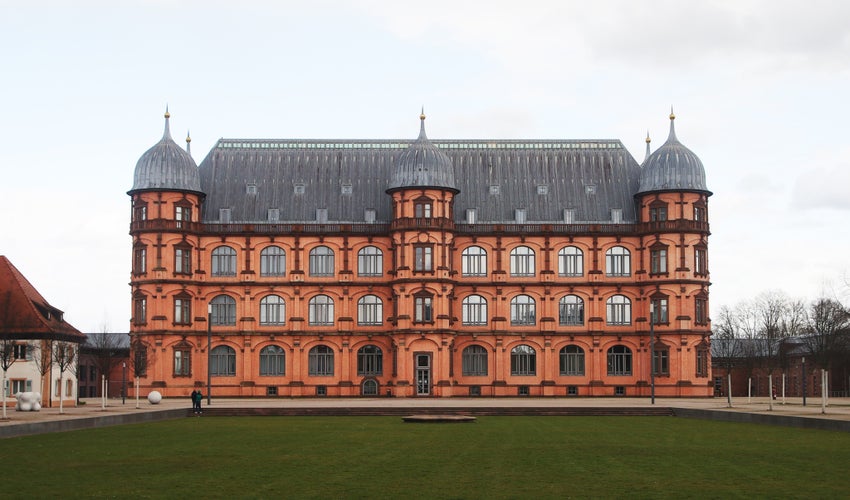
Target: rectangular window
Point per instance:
(700, 311)
(423, 257)
(699, 213)
(422, 309)
(139, 310)
(369, 215)
(700, 261)
(19, 351)
(616, 215)
(702, 362)
(471, 216)
(422, 209)
(182, 214)
(182, 311)
(140, 260)
(182, 362)
(659, 313)
(224, 215)
(321, 215)
(658, 261)
(182, 260)
(274, 214)
(519, 215)
(661, 362)
(658, 213)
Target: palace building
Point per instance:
(421, 267)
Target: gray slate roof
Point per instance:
(423, 165)
(166, 166)
(347, 177)
(672, 167)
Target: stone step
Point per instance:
(403, 411)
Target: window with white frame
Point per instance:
(570, 262)
(223, 310)
(273, 261)
(370, 310)
(370, 261)
(473, 261)
(224, 261)
(474, 310)
(618, 262)
(522, 261)
(272, 361)
(523, 311)
(321, 311)
(571, 310)
(619, 310)
(272, 310)
(321, 261)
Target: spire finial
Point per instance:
(648, 140)
(166, 134)
(672, 114)
(188, 142)
(422, 135)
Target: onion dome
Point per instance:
(166, 167)
(672, 167)
(423, 165)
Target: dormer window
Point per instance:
(422, 208)
(519, 215)
(471, 216)
(569, 215)
(182, 213)
(321, 215)
(347, 189)
(224, 215)
(299, 188)
(369, 215)
(251, 189)
(616, 215)
(657, 211)
(495, 189)
(274, 214)
(542, 189)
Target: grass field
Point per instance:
(382, 457)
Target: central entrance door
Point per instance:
(422, 366)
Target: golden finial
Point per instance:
(422, 114)
(188, 137)
(167, 114)
(672, 115)
(648, 140)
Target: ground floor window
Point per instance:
(619, 360)
(369, 387)
(321, 361)
(523, 360)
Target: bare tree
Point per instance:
(828, 321)
(7, 357)
(42, 357)
(726, 346)
(107, 352)
(64, 356)
(778, 318)
(140, 360)
(748, 321)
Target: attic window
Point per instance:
(369, 216)
(321, 215)
(346, 189)
(251, 189)
(519, 215)
(274, 214)
(471, 215)
(590, 189)
(542, 189)
(569, 215)
(495, 189)
(224, 215)
(299, 188)
(616, 215)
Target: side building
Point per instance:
(421, 268)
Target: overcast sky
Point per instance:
(760, 91)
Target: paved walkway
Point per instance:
(838, 409)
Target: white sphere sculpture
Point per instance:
(154, 397)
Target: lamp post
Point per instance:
(652, 351)
(804, 381)
(209, 354)
(123, 382)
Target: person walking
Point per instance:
(192, 399)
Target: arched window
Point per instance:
(522, 261)
(474, 361)
(572, 360)
(321, 361)
(272, 361)
(619, 309)
(321, 261)
(273, 261)
(474, 310)
(619, 360)
(223, 361)
(223, 310)
(523, 360)
(522, 310)
(321, 310)
(272, 310)
(370, 261)
(223, 261)
(618, 262)
(369, 387)
(571, 310)
(370, 361)
(370, 310)
(570, 262)
(473, 261)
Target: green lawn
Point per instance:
(382, 457)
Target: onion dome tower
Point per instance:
(423, 165)
(166, 167)
(672, 167)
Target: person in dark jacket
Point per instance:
(196, 399)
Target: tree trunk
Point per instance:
(4, 394)
(61, 399)
(137, 392)
(823, 389)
